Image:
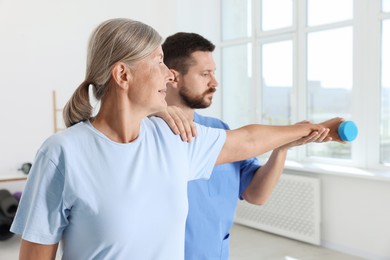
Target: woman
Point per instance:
(114, 186)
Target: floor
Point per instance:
(257, 246)
(9, 248)
(265, 246)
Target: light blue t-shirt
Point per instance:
(212, 204)
(108, 200)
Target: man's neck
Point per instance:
(189, 112)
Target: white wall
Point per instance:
(43, 48)
(203, 17)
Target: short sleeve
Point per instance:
(248, 169)
(204, 151)
(42, 216)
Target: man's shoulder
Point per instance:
(210, 121)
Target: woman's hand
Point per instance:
(178, 122)
(315, 136)
(333, 125)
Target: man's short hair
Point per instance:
(179, 47)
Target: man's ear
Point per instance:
(121, 74)
(176, 78)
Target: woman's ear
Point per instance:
(121, 74)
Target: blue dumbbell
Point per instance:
(348, 131)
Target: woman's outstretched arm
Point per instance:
(253, 140)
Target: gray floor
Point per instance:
(251, 244)
(246, 244)
(9, 248)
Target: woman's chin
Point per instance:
(163, 106)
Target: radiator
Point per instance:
(293, 210)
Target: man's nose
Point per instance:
(214, 82)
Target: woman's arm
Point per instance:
(252, 140)
(33, 251)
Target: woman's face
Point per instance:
(150, 80)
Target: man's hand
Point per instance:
(178, 122)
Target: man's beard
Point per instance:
(196, 102)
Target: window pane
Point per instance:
(276, 14)
(236, 85)
(328, 11)
(385, 115)
(386, 5)
(236, 19)
(329, 84)
(277, 67)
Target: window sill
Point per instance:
(335, 170)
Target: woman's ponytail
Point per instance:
(78, 108)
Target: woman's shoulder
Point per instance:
(155, 123)
(66, 137)
(162, 130)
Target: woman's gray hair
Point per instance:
(112, 41)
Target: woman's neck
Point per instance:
(116, 129)
(118, 120)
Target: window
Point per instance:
(238, 81)
(386, 5)
(385, 82)
(310, 59)
(277, 82)
(273, 17)
(236, 17)
(321, 12)
(329, 83)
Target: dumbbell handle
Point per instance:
(340, 129)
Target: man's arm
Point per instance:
(266, 177)
(33, 251)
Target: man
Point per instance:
(212, 202)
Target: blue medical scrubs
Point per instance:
(212, 204)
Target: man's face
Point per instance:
(199, 84)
